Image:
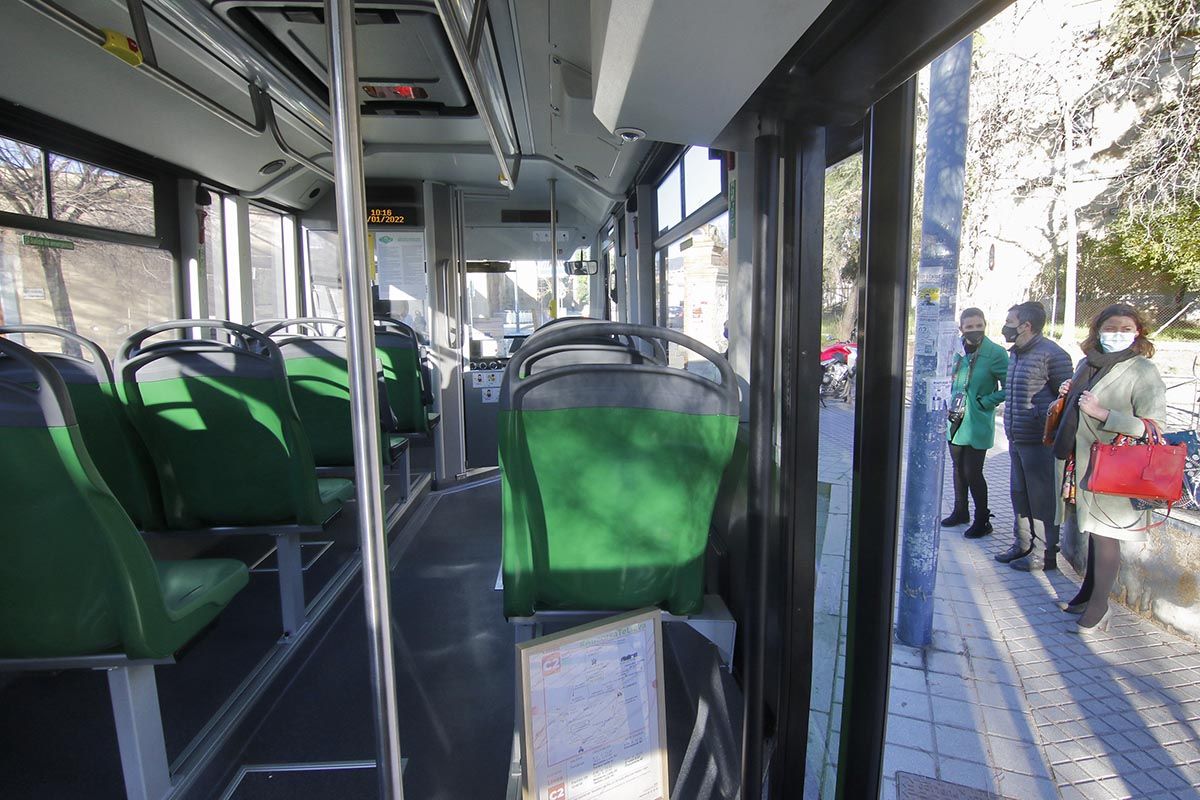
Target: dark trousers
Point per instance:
(968, 475)
(1103, 563)
(1034, 495)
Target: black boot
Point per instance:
(981, 527)
(1050, 559)
(958, 516)
(1014, 552)
(1037, 561)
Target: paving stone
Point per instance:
(963, 744)
(1015, 785)
(967, 773)
(910, 732)
(1117, 788)
(905, 759)
(1080, 792)
(1010, 724)
(957, 714)
(909, 704)
(1071, 772)
(1015, 756)
(912, 680)
(1142, 783)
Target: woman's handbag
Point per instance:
(1142, 469)
(1053, 417)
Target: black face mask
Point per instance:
(972, 339)
(1010, 333)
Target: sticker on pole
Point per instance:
(937, 394)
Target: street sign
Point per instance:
(29, 240)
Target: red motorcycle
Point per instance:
(838, 362)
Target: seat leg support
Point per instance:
(291, 582)
(405, 475)
(139, 732)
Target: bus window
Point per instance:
(101, 290)
(21, 183)
(697, 288)
(610, 281)
(91, 195)
(266, 264)
(327, 298)
(669, 204)
(701, 179)
(213, 255)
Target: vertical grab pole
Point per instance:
(554, 244)
(360, 333)
(762, 407)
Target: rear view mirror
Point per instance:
(581, 267)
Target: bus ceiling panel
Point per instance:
(51, 70)
(857, 52)
(405, 64)
(557, 87)
(680, 71)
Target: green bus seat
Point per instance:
(319, 380)
(114, 445)
(609, 475)
(221, 428)
(406, 379)
(76, 578)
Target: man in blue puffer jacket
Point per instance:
(1036, 368)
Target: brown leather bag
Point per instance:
(1053, 417)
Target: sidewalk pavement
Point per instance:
(1007, 700)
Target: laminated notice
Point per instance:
(594, 719)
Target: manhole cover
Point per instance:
(919, 787)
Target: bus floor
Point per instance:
(455, 667)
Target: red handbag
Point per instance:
(1142, 469)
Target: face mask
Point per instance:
(1117, 341)
(973, 338)
(1010, 333)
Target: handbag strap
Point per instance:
(1152, 435)
(1109, 522)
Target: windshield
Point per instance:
(505, 307)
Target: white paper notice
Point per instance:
(400, 256)
(593, 713)
(949, 345)
(938, 397)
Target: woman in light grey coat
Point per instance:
(1114, 389)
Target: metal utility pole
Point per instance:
(936, 338)
(364, 396)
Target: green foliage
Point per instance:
(1163, 241)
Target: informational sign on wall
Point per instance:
(594, 718)
(400, 260)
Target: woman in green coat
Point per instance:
(1115, 388)
(977, 387)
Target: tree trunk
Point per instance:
(56, 285)
(849, 320)
(1070, 287)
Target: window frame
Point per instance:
(48, 134)
(165, 235)
(688, 222)
(287, 282)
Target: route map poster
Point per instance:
(594, 717)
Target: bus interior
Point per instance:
(270, 490)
